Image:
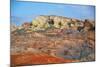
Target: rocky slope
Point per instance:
(51, 36)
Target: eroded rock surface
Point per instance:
(61, 40)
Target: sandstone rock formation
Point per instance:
(53, 36)
(56, 21)
(13, 27)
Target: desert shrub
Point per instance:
(20, 31)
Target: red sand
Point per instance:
(36, 59)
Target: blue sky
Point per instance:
(27, 11)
